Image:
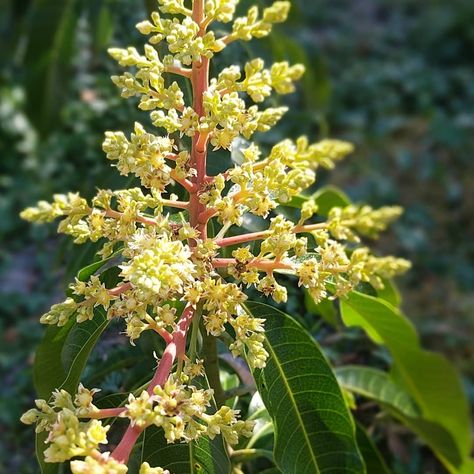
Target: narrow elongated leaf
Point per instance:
(428, 377)
(102, 24)
(314, 431)
(203, 456)
(395, 399)
(326, 198)
(316, 80)
(59, 362)
(63, 353)
(377, 385)
(51, 34)
(374, 462)
(85, 273)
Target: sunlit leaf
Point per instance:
(428, 377)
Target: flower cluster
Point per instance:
(103, 463)
(67, 435)
(181, 411)
(258, 82)
(164, 256)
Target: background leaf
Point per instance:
(376, 385)
(63, 353)
(326, 198)
(62, 356)
(428, 377)
(393, 398)
(51, 32)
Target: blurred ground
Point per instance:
(394, 76)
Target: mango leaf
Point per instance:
(203, 456)
(316, 80)
(395, 399)
(102, 24)
(326, 198)
(51, 33)
(374, 462)
(378, 386)
(314, 430)
(428, 377)
(325, 309)
(59, 362)
(85, 273)
(63, 352)
(390, 293)
(62, 355)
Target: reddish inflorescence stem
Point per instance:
(176, 342)
(175, 349)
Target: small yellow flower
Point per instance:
(99, 464)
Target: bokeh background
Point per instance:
(396, 77)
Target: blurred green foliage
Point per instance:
(393, 76)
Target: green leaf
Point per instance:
(374, 461)
(85, 273)
(62, 355)
(102, 25)
(51, 34)
(325, 309)
(59, 362)
(203, 456)
(326, 198)
(390, 293)
(296, 201)
(395, 399)
(316, 80)
(377, 385)
(428, 377)
(436, 437)
(314, 430)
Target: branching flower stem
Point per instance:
(180, 71)
(260, 263)
(105, 413)
(188, 185)
(175, 349)
(118, 290)
(250, 237)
